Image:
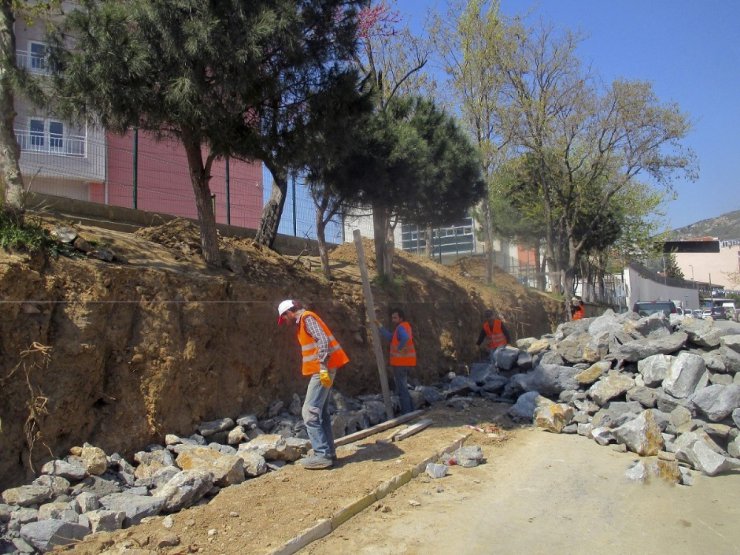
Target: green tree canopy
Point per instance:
(225, 77)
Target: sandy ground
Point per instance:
(546, 493)
(537, 493)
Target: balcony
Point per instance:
(49, 143)
(32, 62)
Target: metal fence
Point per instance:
(143, 173)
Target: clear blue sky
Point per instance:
(688, 49)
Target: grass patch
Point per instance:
(394, 285)
(25, 237)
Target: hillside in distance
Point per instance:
(725, 227)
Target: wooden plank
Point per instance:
(387, 425)
(370, 314)
(413, 429)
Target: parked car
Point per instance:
(697, 314)
(718, 313)
(646, 308)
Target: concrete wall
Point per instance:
(127, 219)
(641, 288)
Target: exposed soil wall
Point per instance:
(140, 349)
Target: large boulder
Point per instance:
(136, 507)
(729, 350)
(552, 417)
(25, 496)
(643, 348)
(46, 534)
(707, 333)
(653, 326)
(226, 469)
(686, 375)
(654, 369)
(184, 489)
(525, 405)
(610, 386)
(547, 379)
(717, 401)
(641, 435)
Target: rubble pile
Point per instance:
(667, 390)
(89, 491)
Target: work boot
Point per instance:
(316, 462)
(312, 453)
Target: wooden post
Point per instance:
(387, 425)
(370, 314)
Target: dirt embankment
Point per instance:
(158, 342)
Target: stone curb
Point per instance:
(325, 527)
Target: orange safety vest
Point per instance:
(579, 313)
(310, 350)
(496, 337)
(407, 355)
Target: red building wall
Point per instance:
(164, 181)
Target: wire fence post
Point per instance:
(136, 167)
(228, 194)
(295, 218)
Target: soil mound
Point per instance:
(157, 342)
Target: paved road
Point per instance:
(547, 494)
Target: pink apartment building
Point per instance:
(88, 163)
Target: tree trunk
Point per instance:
(429, 242)
(200, 177)
(488, 241)
(321, 241)
(383, 255)
(390, 248)
(11, 183)
(539, 268)
(273, 210)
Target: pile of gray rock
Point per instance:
(668, 390)
(90, 491)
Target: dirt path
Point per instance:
(546, 493)
(538, 493)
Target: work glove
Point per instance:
(324, 376)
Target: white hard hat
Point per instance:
(282, 308)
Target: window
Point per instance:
(36, 128)
(46, 135)
(56, 136)
(37, 51)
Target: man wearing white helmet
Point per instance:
(322, 355)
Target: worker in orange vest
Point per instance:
(322, 355)
(493, 335)
(402, 356)
(578, 311)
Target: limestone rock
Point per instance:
(207, 429)
(136, 507)
(45, 534)
(717, 401)
(96, 462)
(686, 375)
(227, 470)
(25, 496)
(654, 369)
(593, 372)
(610, 386)
(552, 417)
(643, 348)
(185, 489)
(641, 435)
(106, 521)
(74, 470)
